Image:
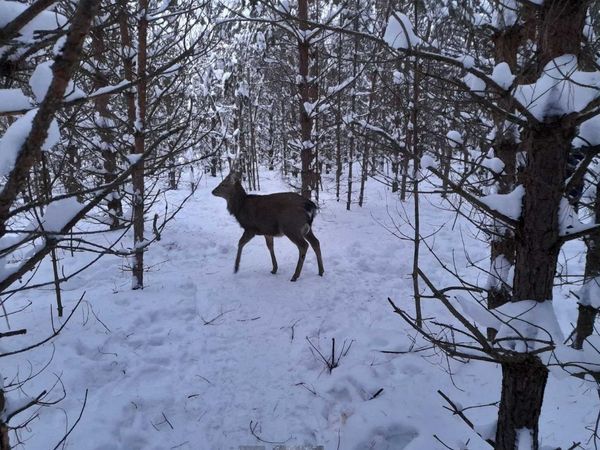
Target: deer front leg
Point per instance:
(269, 240)
(243, 241)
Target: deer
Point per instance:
(273, 215)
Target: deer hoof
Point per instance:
(294, 278)
(321, 273)
(274, 271)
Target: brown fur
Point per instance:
(284, 213)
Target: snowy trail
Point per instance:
(201, 353)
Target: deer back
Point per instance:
(276, 214)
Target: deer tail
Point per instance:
(311, 210)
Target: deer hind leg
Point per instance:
(269, 240)
(316, 246)
(243, 241)
(302, 245)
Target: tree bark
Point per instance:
(561, 30)
(586, 318)
(537, 249)
(367, 144)
(352, 138)
(73, 166)
(523, 385)
(587, 313)
(109, 156)
(506, 47)
(307, 96)
(547, 146)
(139, 148)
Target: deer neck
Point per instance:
(236, 201)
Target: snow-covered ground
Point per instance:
(203, 359)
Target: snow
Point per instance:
(399, 33)
(589, 294)
(13, 100)
(133, 158)
(480, 20)
(509, 204)
(584, 359)
(309, 108)
(164, 4)
(201, 352)
(16, 135)
(467, 61)
(285, 5)
(493, 164)
(455, 139)
(501, 273)
(11, 406)
(474, 83)
(506, 15)
(397, 77)
(589, 133)
(45, 21)
(53, 136)
(487, 430)
(428, 161)
(524, 439)
(109, 89)
(569, 222)
(40, 81)
(338, 88)
(527, 322)
(58, 213)
(478, 313)
(503, 76)
(561, 89)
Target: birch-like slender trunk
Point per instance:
(139, 148)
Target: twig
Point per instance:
(13, 333)
(154, 227)
(442, 442)
(253, 432)
(33, 402)
(376, 394)
(75, 424)
(218, 316)
(55, 333)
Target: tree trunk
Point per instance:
(284, 138)
(109, 156)
(587, 313)
(367, 144)
(314, 75)
(506, 46)
(307, 97)
(73, 166)
(416, 151)
(271, 148)
(585, 325)
(547, 147)
(173, 178)
(4, 440)
(523, 385)
(140, 144)
(561, 29)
